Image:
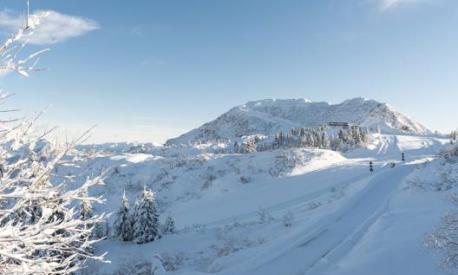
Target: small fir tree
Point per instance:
(123, 224)
(169, 226)
(146, 221)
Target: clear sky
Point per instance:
(147, 70)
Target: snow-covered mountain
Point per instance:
(267, 117)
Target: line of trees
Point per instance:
(453, 135)
(320, 137)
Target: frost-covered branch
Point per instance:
(42, 228)
(11, 49)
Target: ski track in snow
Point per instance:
(336, 235)
(284, 206)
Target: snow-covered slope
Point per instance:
(269, 116)
(230, 209)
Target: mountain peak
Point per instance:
(270, 116)
(274, 101)
(358, 100)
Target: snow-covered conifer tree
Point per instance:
(123, 223)
(169, 226)
(453, 135)
(325, 143)
(236, 147)
(145, 218)
(249, 146)
(310, 140)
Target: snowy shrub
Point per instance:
(245, 179)
(198, 227)
(288, 219)
(101, 230)
(451, 154)
(444, 238)
(209, 178)
(116, 170)
(440, 175)
(221, 172)
(280, 166)
(286, 162)
(157, 266)
(448, 179)
(44, 228)
(172, 262)
(187, 196)
(142, 267)
(231, 244)
(264, 216)
(337, 193)
(161, 175)
(313, 205)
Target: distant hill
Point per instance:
(270, 116)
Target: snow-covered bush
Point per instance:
(231, 243)
(288, 219)
(286, 161)
(101, 230)
(264, 216)
(437, 175)
(42, 228)
(245, 179)
(157, 266)
(451, 154)
(142, 267)
(444, 238)
(209, 178)
(172, 262)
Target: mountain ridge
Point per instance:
(270, 116)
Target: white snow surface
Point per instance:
(268, 117)
(229, 209)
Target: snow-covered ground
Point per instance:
(231, 209)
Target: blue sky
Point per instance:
(149, 70)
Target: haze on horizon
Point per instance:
(155, 69)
